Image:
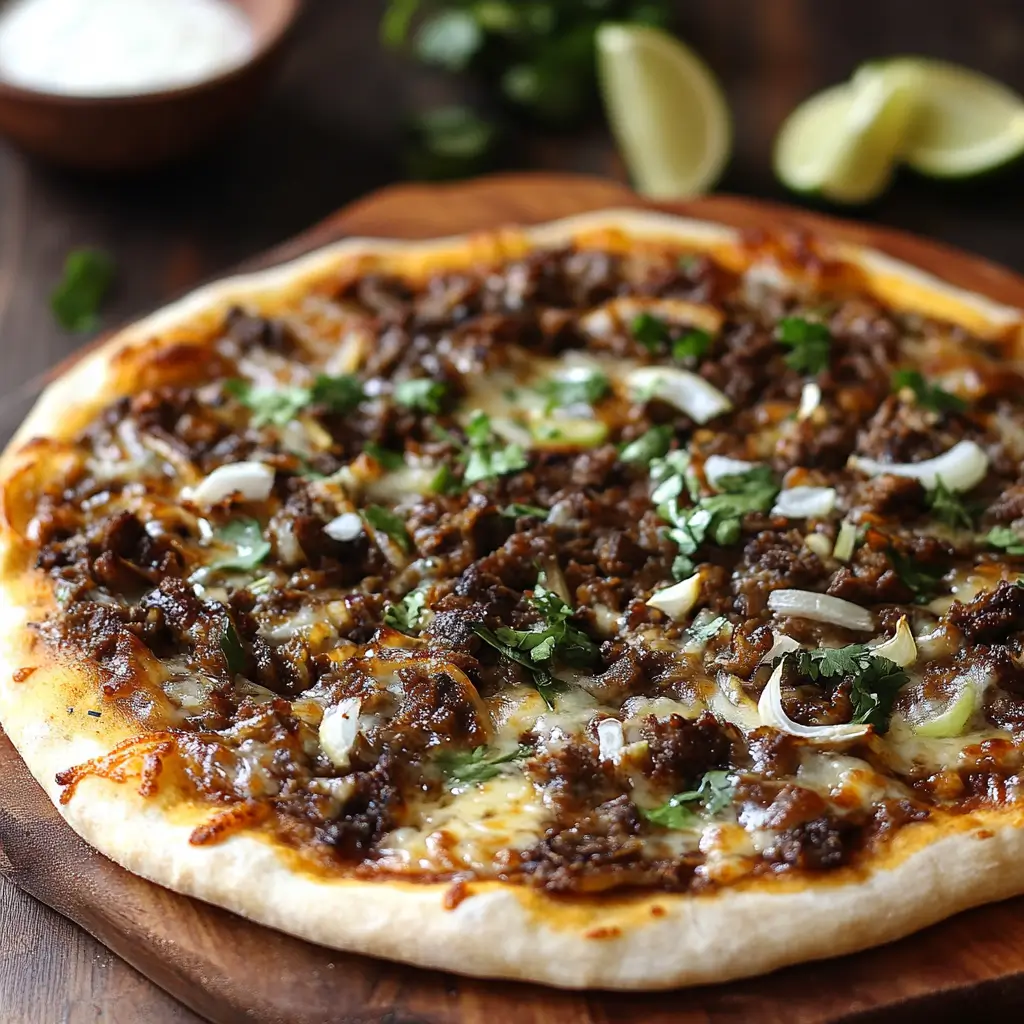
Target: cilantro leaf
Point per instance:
(1006, 538)
(234, 652)
(268, 405)
(383, 520)
(928, 396)
(694, 344)
(485, 456)
(339, 394)
(387, 458)
(407, 614)
(87, 277)
(651, 331)
(279, 406)
(477, 765)
(715, 792)
(652, 444)
(702, 634)
(922, 580)
(949, 507)
(874, 681)
(421, 393)
(515, 510)
(587, 387)
(809, 343)
(246, 535)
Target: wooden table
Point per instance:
(330, 131)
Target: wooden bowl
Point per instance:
(128, 133)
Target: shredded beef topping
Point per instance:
(445, 576)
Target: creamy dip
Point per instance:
(119, 47)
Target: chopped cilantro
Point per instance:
(246, 535)
(516, 510)
(928, 396)
(76, 300)
(714, 794)
(652, 444)
(874, 681)
(269, 405)
(422, 393)
(555, 639)
(718, 518)
(1006, 538)
(279, 406)
(387, 458)
(809, 343)
(702, 634)
(586, 387)
(407, 614)
(383, 520)
(922, 580)
(444, 481)
(949, 507)
(651, 331)
(477, 765)
(694, 344)
(234, 652)
(485, 456)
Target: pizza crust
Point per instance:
(932, 870)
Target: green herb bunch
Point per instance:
(534, 57)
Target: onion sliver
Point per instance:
(953, 719)
(900, 648)
(806, 604)
(251, 481)
(338, 731)
(686, 391)
(718, 466)
(347, 526)
(773, 714)
(805, 502)
(610, 739)
(783, 645)
(678, 600)
(810, 399)
(961, 468)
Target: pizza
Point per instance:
(624, 602)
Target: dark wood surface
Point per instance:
(329, 132)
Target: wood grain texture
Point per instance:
(230, 971)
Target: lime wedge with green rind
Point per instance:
(666, 111)
(965, 123)
(844, 142)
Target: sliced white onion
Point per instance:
(961, 468)
(610, 739)
(806, 604)
(250, 481)
(810, 399)
(686, 391)
(718, 466)
(952, 720)
(783, 645)
(805, 502)
(846, 541)
(901, 647)
(773, 714)
(678, 600)
(338, 731)
(347, 526)
(731, 703)
(603, 321)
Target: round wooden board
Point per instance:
(230, 970)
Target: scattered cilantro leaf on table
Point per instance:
(87, 277)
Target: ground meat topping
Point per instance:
(436, 575)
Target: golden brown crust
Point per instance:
(930, 871)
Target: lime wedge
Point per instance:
(966, 123)
(844, 142)
(666, 111)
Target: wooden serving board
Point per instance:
(223, 967)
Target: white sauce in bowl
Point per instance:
(99, 48)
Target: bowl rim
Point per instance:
(292, 9)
